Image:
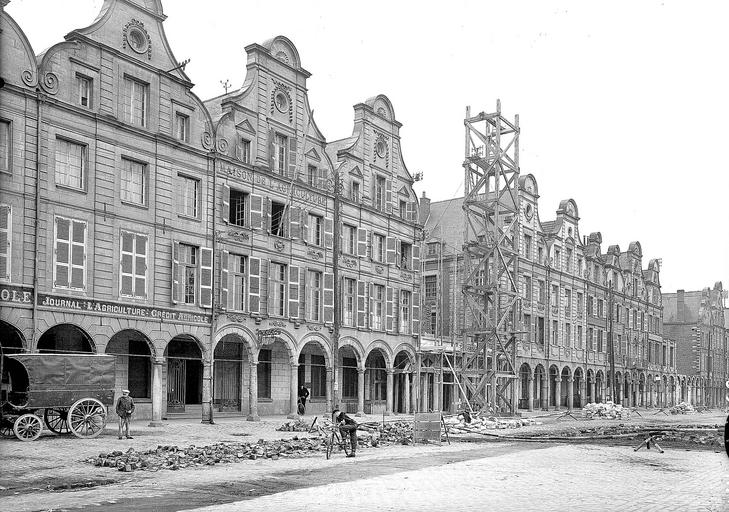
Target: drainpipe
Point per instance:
(40, 98)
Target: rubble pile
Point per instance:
(294, 426)
(607, 410)
(682, 408)
(174, 457)
(378, 434)
(458, 425)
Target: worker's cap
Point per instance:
(125, 391)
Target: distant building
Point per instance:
(575, 301)
(698, 321)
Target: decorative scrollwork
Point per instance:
(50, 83)
(349, 262)
(207, 140)
(222, 145)
(29, 78)
(379, 269)
(315, 254)
(279, 245)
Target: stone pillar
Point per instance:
(557, 392)
(157, 364)
(544, 393)
(360, 391)
(396, 400)
(207, 389)
(253, 392)
(294, 392)
(390, 386)
(330, 372)
(570, 393)
(407, 394)
(530, 394)
(593, 390)
(436, 391)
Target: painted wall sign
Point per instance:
(16, 294)
(306, 196)
(112, 308)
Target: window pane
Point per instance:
(77, 278)
(78, 232)
(126, 263)
(4, 146)
(126, 285)
(62, 252)
(127, 242)
(77, 254)
(61, 275)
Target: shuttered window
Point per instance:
(405, 312)
(350, 297)
(70, 254)
(4, 145)
(238, 290)
(313, 304)
(135, 102)
(133, 181)
(188, 273)
(5, 241)
(133, 265)
(189, 196)
(70, 163)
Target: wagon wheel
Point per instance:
(6, 429)
(57, 420)
(28, 427)
(87, 418)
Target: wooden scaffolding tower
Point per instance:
(491, 259)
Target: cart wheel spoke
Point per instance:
(87, 417)
(28, 427)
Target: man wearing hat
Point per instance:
(348, 428)
(124, 409)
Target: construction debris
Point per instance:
(607, 410)
(459, 425)
(682, 408)
(294, 426)
(175, 457)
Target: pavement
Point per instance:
(506, 474)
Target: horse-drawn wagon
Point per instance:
(70, 391)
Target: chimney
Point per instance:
(680, 313)
(424, 209)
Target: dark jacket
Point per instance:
(303, 392)
(124, 406)
(346, 419)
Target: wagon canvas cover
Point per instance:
(58, 380)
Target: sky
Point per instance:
(623, 105)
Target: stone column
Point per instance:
(544, 393)
(294, 392)
(396, 393)
(593, 390)
(388, 401)
(360, 391)
(253, 392)
(436, 391)
(329, 389)
(530, 394)
(570, 393)
(207, 389)
(157, 364)
(557, 392)
(407, 394)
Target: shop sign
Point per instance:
(268, 182)
(82, 305)
(16, 294)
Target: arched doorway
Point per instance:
(524, 374)
(231, 374)
(402, 393)
(11, 342)
(184, 375)
(375, 382)
(554, 381)
(275, 378)
(66, 338)
(599, 386)
(565, 397)
(313, 375)
(578, 388)
(133, 363)
(348, 378)
(590, 391)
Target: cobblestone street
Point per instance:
(501, 474)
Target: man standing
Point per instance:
(303, 395)
(346, 426)
(124, 409)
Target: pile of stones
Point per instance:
(175, 457)
(607, 410)
(294, 426)
(682, 408)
